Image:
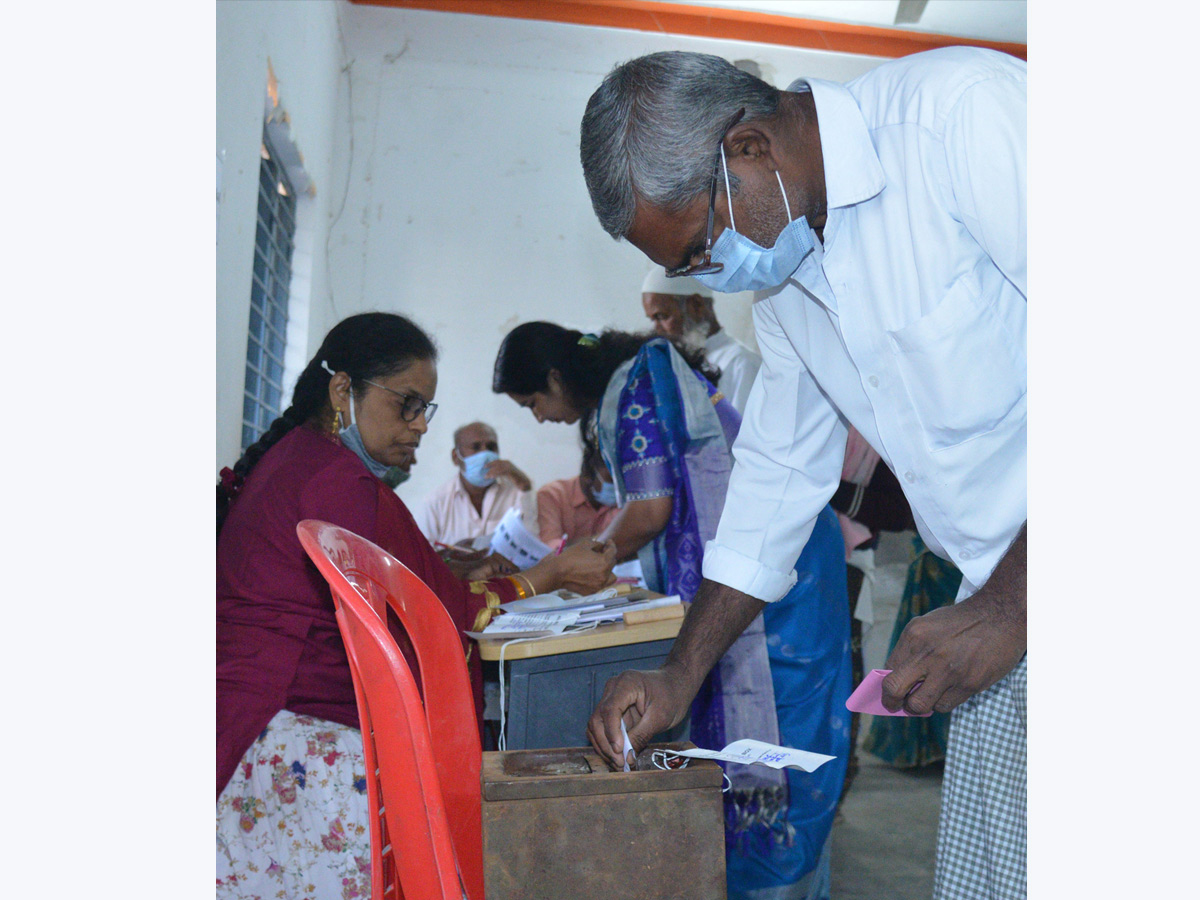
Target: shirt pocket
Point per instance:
(962, 369)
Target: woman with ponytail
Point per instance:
(665, 434)
(292, 808)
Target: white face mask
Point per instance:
(749, 267)
(352, 440)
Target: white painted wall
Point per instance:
(301, 41)
(466, 207)
(446, 159)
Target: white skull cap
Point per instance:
(657, 282)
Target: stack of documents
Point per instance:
(554, 613)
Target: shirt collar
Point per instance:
(577, 496)
(852, 169)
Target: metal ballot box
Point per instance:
(560, 825)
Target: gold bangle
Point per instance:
(517, 586)
(528, 585)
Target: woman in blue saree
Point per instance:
(666, 436)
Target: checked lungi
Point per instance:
(981, 833)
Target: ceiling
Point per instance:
(992, 20)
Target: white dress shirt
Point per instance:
(908, 323)
(448, 516)
(738, 364)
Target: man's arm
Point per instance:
(953, 653)
(788, 461)
(661, 698)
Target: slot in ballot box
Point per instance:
(559, 823)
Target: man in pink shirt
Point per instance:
(574, 508)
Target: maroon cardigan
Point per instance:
(278, 645)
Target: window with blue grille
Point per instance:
(273, 244)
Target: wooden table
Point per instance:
(552, 684)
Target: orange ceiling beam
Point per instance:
(709, 22)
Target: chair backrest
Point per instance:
(355, 567)
(412, 852)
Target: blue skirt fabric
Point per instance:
(808, 642)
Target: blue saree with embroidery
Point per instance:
(665, 431)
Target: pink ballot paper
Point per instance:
(868, 696)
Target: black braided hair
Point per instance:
(584, 362)
(368, 346)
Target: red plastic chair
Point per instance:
(357, 568)
(412, 853)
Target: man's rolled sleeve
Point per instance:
(787, 462)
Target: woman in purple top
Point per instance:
(666, 435)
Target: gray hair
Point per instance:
(651, 131)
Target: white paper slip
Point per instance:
(561, 601)
(751, 752)
(515, 542)
(514, 625)
(616, 613)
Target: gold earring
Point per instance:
(335, 424)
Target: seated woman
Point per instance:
(292, 808)
(665, 434)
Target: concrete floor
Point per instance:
(886, 830)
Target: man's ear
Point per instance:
(455, 458)
(750, 141)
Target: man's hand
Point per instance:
(653, 701)
(502, 468)
(952, 653)
(650, 702)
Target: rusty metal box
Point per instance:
(561, 825)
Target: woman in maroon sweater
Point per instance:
(291, 812)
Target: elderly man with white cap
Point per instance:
(683, 308)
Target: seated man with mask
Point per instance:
(573, 509)
(472, 503)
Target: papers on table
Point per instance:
(751, 752)
(515, 542)
(554, 613)
(558, 601)
(511, 626)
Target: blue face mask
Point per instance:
(749, 267)
(474, 466)
(352, 440)
(605, 493)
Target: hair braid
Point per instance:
(366, 346)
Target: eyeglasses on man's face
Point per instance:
(412, 406)
(708, 267)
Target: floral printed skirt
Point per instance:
(292, 822)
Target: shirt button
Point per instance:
(874, 381)
(910, 477)
(966, 554)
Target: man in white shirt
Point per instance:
(683, 308)
(471, 504)
(893, 299)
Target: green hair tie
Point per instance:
(589, 340)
